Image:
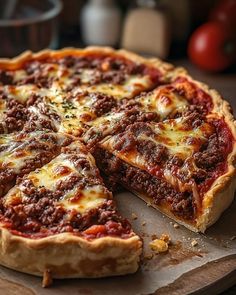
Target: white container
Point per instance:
(100, 23)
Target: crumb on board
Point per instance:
(158, 246)
(194, 243)
(166, 238)
(148, 256)
(176, 225)
(143, 223)
(149, 204)
(47, 278)
(134, 216)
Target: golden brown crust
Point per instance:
(69, 256)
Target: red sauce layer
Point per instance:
(226, 141)
(192, 92)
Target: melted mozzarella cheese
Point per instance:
(62, 168)
(103, 126)
(21, 93)
(15, 152)
(132, 86)
(83, 200)
(179, 140)
(73, 114)
(2, 108)
(163, 101)
(171, 134)
(19, 75)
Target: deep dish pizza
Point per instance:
(65, 115)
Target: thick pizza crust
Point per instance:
(69, 256)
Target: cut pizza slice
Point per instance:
(109, 72)
(23, 152)
(117, 73)
(172, 99)
(166, 101)
(67, 113)
(176, 165)
(63, 214)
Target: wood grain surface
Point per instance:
(210, 279)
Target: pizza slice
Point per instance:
(63, 214)
(180, 94)
(181, 166)
(165, 101)
(68, 113)
(23, 152)
(115, 121)
(117, 73)
(110, 72)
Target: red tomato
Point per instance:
(211, 47)
(225, 11)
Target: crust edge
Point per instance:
(78, 258)
(15, 63)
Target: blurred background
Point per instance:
(163, 28)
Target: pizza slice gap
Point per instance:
(180, 166)
(23, 152)
(63, 213)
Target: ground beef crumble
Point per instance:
(38, 215)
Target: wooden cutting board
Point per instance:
(212, 278)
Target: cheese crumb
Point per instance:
(194, 243)
(166, 238)
(158, 246)
(143, 223)
(134, 216)
(176, 225)
(149, 204)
